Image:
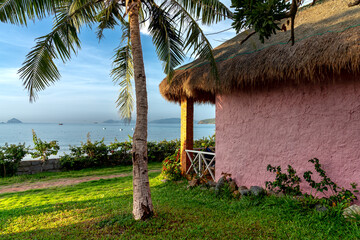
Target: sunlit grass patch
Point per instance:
(103, 210)
(47, 176)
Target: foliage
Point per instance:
(43, 149)
(121, 151)
(205, 142)
(171, 166)
(339, 195)
(173, 25)
(89, 154)
(263, 16)
(10, 157)
(102, 210)
(97, 154)
(158, 151)
(287, 183)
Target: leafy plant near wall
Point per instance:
(339, 195)
(43, 149)
(289, 184)
(10, 157)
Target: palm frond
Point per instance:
(167, 39)
(195, 39)
(122, 74)
(39, 69)
(108, 17)
(20, 11)
(208, 11)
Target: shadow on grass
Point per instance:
(180, 214)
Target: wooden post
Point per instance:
(187, 131)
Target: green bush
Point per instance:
(158, 151)
(171, 166)
(287, 183)
(10, 157)
(120, 152)
(205, 142)
(97, 154)
(43, 149)
(335, 196)
(89, 154)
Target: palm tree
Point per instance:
(173, 25)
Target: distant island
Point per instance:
(207, 121)
(168, 121)
(113, 121)
(14, 120)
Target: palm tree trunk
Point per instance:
(142, 203)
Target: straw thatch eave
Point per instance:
(327, 44)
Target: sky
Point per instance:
(85, 92)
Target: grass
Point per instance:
(46, 176)
(102, 210)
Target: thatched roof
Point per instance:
(327, 41)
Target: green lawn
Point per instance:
(46, 176)
(102, 210)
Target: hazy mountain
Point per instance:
(207, 121)
(115, 121)
(14, 120)
(168, 121)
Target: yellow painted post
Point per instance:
(187, 131)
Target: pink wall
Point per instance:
(289, 125)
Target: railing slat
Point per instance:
(199, 157)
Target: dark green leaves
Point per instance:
(20, 11)
(166, 38)
(261, 15)
(122, 74)
(39, 70)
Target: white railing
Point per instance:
(200, 162)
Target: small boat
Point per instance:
(61, 124)
(104, 128)
(120, 129)
(133, 129)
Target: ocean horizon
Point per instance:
(75, 133)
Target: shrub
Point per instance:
(97, 154)
(289, 184)
(158, 151)
(339, 195)
(120, 152)
(205, 142)
(284, 183)
(95, 150)
(89, 154)
(10, 157)
(43, 149)
(171, 166)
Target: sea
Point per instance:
(74, 134)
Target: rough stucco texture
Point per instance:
(289, 126)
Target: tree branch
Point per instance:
(356, 2)
(247, 37)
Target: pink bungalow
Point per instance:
(280, 104)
